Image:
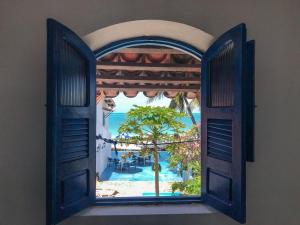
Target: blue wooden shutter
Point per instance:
(71, 144)
(225, 108)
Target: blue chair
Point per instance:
(133, 162)
(116, 162)
(123, 166)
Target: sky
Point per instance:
(124, 104)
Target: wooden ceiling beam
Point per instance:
(154, 67)
(151, 80)
(146, 80)
(133, 87)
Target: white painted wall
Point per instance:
(273, 184)
(160, 28)
(103, 150)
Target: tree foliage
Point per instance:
(146, 125)
(180, 103)
(186, 155)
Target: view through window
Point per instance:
(148, 123)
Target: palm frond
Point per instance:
(172, 104)
(181, 103)
(159, 96)
(178, 103)
(194, 104)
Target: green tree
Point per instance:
(191, 186)
(181, 103)
(187, 156)
(150, 126)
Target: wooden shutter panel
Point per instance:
(71, 126)
(225, 107)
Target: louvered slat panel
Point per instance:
(219, 139)
(73, 77)
(221, 74)
(75, 137)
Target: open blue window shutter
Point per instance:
(71, 144)
(226, 91)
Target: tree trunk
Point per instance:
(156, 171)
(189, 111)
(191, 114)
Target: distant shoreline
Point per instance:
(115, 119)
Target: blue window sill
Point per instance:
(135, 210)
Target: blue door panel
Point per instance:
(71, 89)
(225, 126)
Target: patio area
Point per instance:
(134, 176)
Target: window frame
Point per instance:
(158, 41)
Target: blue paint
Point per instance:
(223, 181)
(148, 40)
(69, 191)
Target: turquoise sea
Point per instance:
(115, 119)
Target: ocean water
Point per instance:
(116, 119)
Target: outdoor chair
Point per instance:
(133, 162)
(116, 162)
(123, 166)
(140, 160)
